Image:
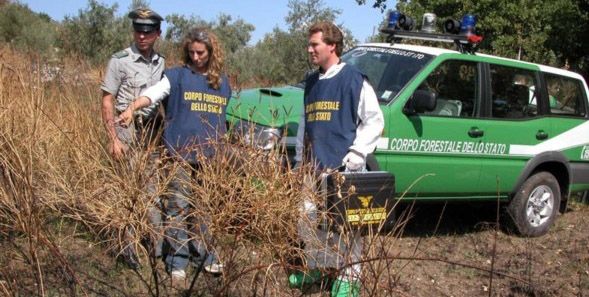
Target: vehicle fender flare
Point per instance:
(554, 162)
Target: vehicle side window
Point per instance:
(514, 92)
(565, 95)
(455, 83)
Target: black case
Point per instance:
(360, 201)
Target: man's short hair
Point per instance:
(145, 20)
(331, 35)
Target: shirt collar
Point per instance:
(136, 55)
(189, 67)
(332, 71)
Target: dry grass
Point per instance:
(54, 166)
(66, 209)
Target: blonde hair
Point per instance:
(216, 56)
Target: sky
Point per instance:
(362, 20)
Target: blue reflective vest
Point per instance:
(195, 113)
(331, 116)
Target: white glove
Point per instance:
(354, 161)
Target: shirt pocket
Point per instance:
(135, 83)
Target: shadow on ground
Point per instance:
(428, 219)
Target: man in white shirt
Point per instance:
(341, 125)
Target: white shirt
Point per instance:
(159, 91)
(370, 119)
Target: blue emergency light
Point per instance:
(466, 26)
(399, 21)
(462, 33)
(393, 19)
(468, 23)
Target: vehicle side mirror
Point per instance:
(420, 101)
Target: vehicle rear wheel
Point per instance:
(534, 207)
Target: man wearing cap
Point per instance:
(128, 74)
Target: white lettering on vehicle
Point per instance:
(393, 51)
(446, 146)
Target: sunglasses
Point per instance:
(202, 35)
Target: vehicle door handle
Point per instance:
(541, 135)
(475, 132)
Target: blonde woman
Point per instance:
(198, 93)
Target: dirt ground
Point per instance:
(451, 250)
(466, 249)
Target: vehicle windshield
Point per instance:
(388, 69)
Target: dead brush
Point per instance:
(53, 165)
(250, 202)
(23, 215)
(54, 127)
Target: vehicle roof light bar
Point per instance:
(463, 32)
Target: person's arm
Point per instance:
(108, 115)
(371, 121)
(115, 147)
(110, 86)
(153, 94)
(370, 126)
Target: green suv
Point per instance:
(458, 126)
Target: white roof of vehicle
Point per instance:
(435, 51)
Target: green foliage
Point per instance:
(138, 4)
(234, 35)
(303, 14)
(27, 31)
(95, 33)
(547, 32)
(381, 4)
(179, 25)
(281, 57)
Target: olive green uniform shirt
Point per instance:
(128, 74)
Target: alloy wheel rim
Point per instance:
(540, 205)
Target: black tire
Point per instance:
(534, 207)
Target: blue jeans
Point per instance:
(183, 239)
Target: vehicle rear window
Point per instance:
(565, 95)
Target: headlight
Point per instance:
(260, 136)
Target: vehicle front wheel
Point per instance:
(534, 207)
